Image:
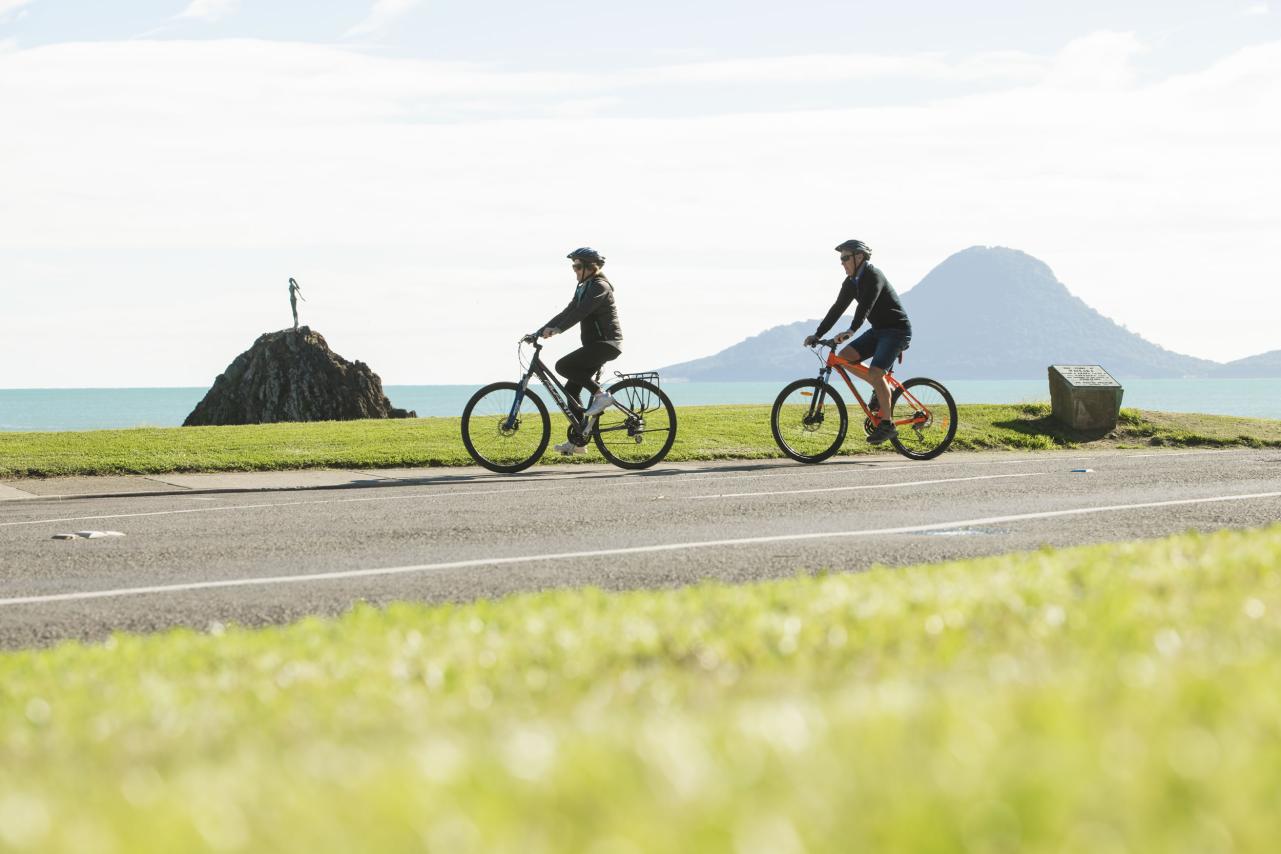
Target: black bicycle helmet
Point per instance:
(588, 254)
(855, 246)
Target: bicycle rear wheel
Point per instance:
(805, 432)
(933, 422)
(494, 443)
(638, 438)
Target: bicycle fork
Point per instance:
(513, 417)
(815, 415)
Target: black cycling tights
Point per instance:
(580, 366)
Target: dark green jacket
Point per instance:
(592, 306)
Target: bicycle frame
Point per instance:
(844, 367)
(559, 394)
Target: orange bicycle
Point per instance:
(809, 418)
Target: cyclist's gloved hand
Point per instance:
(549, 331)
(842, 337)
(811, 340)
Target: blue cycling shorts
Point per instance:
(883, 345)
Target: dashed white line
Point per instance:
(599, 553)
(872, 485)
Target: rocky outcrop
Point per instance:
(292, 375)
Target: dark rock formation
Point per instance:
(292, 375)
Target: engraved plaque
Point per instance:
(1085, 376)
(1084, 397)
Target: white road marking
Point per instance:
(1125, 455)
(599, 553)
(417, 495)
(872, 485)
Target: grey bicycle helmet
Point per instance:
(588, 254)
(855, 246)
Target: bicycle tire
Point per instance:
(790, 432)
(923, 446)
(484, 438)
(621, 438)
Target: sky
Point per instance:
(422, 167)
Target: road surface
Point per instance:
(262, 549)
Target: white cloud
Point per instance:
(383, 13)
(996, 66)
(375, 171)
(209, 10)
(10, 7)
(1103, 59)
(1254, 9)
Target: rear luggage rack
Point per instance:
(648, 376)
(640, 399)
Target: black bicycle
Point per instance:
(506, 427)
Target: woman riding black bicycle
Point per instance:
(593, 307)
(506, 426)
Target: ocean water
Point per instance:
(104, 409)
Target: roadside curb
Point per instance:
(214, 483)
(223, 483)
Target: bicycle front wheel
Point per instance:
(496, 440)
(809, 421)
(638, 430)
(933, 414)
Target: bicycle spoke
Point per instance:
(925, 415)
(496, 439)
(638, 431)
(809, 421)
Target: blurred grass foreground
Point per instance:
(1102, 699)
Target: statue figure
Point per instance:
(295, 294)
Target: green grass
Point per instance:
(705, 433)
(1108, 698)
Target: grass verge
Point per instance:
(705, 433)
(1107, 698)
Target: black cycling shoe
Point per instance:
(884, 431)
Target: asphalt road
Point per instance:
(196, 557)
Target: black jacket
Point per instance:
(593, 306)
(878, 303)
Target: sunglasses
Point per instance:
(845, 258)
(576, 266)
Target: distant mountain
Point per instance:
(984, 313)
(775, 354)
(1263, 365)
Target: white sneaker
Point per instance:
(600, 402)
(569, 449)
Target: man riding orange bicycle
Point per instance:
(889, 334)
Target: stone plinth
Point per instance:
(1084, 397)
